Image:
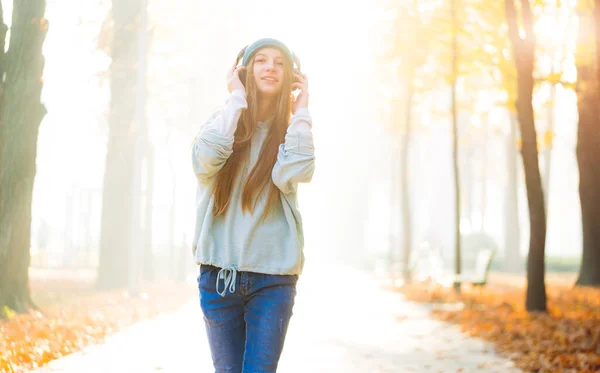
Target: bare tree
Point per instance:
(121, 173)
(524, 55)
(457, 256)
(21, 113)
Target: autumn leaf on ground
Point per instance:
(567, 338)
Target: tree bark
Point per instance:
(597, 27)
(524, 55)
(588, 154)
(21, 113)
(116, 223)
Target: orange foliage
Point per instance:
(31, 340)
(566, 339)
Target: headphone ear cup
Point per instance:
(296, 59)
(240, 55)
(238, 60)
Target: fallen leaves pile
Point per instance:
(566, 339)
(28, 341)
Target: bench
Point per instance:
(478, 276)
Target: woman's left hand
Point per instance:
(301, 83)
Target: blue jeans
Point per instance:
(246, 329)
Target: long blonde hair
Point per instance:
(260, 176)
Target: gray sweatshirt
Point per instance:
(237, 240)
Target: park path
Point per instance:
(343, 322)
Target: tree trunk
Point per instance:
(457, 256)
(149, 270)
(468, 175)
(588, 156)
(21, 113)
(597, 27)
(524, 54)
(406, 222)
(512, 254)
(116, 224)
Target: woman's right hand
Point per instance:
(233, 79)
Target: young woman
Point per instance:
(249, 158)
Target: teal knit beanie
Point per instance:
(266, 42)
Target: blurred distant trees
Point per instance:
(475, 64)
(121, 178)
(406, 53)
(459, 47)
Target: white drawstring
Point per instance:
(228, 274)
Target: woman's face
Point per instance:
(268, 71)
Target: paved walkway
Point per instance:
(342, 323)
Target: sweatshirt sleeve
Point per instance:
(213, 144)
(296, 157)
